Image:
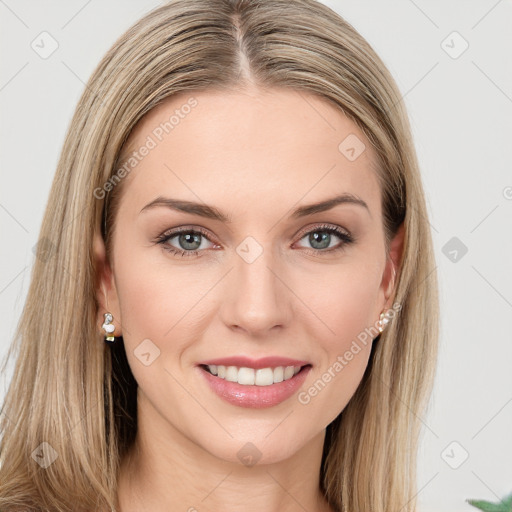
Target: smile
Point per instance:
(254, 387)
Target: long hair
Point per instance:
(72, 400)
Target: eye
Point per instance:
(190, 241)
(321, 238)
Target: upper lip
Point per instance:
(247, 362)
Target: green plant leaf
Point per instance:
(505, 505)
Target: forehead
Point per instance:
(222, 147)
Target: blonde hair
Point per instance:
(72, 392)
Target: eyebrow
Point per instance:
(211, 212)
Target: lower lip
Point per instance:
(256, 397)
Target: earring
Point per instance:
(109, 328)
(383, 321)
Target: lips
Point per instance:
(255, 383)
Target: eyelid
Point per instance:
(172, 232)
(322, 225)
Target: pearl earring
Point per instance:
(383, 321)
(109, 328)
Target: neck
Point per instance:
(166, 470)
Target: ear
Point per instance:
(393, 266)
(106, 293)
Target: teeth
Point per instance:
(250, 376)
(279, 374)
(231, 374)
(264, 377)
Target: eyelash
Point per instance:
(165, 237)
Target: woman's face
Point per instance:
(247, 277)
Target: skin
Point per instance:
(254, 155)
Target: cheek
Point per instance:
(343, 298)
(162, 303)
(157, 300)
(356, 303)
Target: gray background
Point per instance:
(460, 107)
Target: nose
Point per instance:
(256, 299)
